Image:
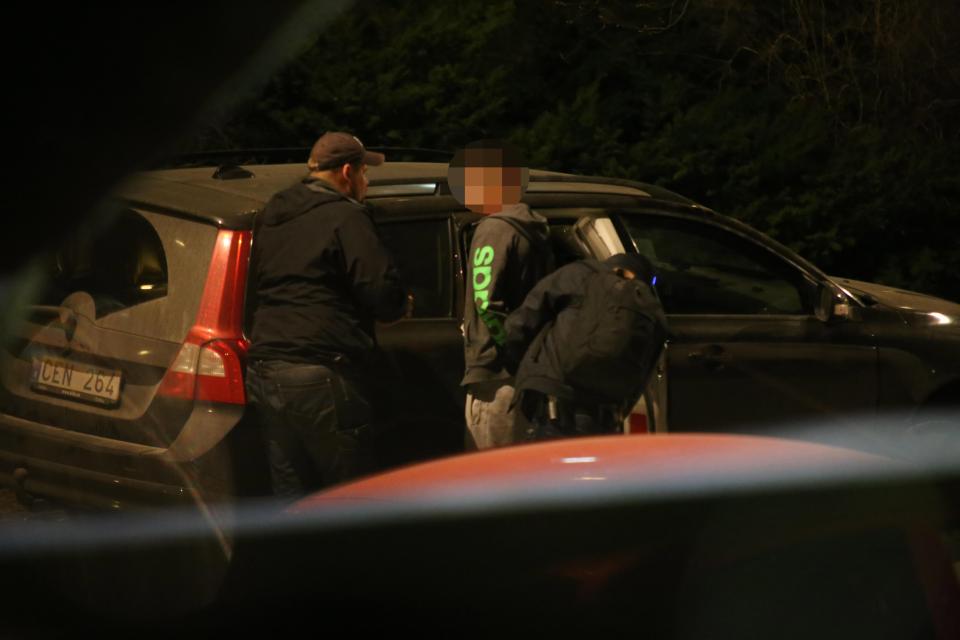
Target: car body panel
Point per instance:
(943, 312)
(918, 339)
(749, 372)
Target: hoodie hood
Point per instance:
(533, 223)
(292, 203)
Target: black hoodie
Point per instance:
(503, 266)
(544, 333)
(319, 277)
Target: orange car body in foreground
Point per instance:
(678, 536)
(610, 466)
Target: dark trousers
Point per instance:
(315, 421)
(552, 417)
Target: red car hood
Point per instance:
(651, 467)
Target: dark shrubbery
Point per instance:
(831, 125)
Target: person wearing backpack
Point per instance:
(509, 253)
(583, 345)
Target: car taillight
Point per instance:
(212, 372)
(209, 365)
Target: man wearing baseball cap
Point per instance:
(319, 279)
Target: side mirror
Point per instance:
(833, 304)
(843, 310)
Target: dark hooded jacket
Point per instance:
(538, 332)
(503, 265)
(319, 278)
(530, 350)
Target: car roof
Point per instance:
(232, 199)
(229, 196)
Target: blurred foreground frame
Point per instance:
(100, 92)
(828, 555)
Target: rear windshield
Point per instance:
(143, 273)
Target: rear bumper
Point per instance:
(91, 471)
(82, 487)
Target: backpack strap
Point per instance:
(523, 232)
(539, 245)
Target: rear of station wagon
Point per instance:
(124, 386)
(129, 370)
(126, 377)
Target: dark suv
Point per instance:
(124, 384)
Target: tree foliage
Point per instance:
(830, 124)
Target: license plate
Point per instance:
(76, 380)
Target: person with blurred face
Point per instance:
(509, 253)
(320, 278)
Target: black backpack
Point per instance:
(609, 346)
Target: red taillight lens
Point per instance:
(220, 374)
(180, 380)
(212, 372)
(221, 308)
(210, 363)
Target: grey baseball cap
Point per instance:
(336, 148)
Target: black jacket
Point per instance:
(530, 351)
(548, 329)
(319, 278)
(502, 266)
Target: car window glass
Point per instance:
(144, 273)
(421, 249)
(121, 267)
(704, 269)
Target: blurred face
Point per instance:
(479, 179)
(483, 189)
